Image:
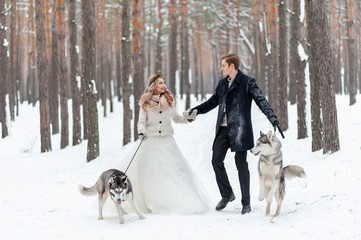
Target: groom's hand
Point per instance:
(190, 115)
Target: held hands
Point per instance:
(190, 115)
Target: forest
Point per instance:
(90, 53)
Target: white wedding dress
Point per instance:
(163, 181)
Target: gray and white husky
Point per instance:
(271, 172)
(116, 184)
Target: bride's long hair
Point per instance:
(150, 91)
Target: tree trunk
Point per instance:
(294, 41)
(3, 69)
(74, 71)
(335, 47)
(48, 30)
(12, 79)
(316, 123)
(63, 80)
(352, 50)
(359, 43)
(159, 55)
(126, 71)
(195, 71)
(43, 77)
(185, 53)
(88, 73)
(117, 32)
(32, 74)
(320, 46)
(298, 71)
(271, 55)
(138, 59)
(18, 52)
(54, 76)
(172, 46)
(283, 67)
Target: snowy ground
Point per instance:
(39, 196)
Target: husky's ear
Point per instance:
(262, 134)
(269, 135)
(111, 180)
(125, 180)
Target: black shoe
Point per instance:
(224, 201)
(246, 209)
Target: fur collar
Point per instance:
(157, 103)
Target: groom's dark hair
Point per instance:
(232, 58)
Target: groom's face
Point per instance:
(226, 68)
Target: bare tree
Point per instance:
(271, 54)
(172, 8)
(359, 44)
(88, 76)
(283, 66)
(12, 78)
(43, 77)
(117, 41)
(126, 70)
(32, 85)
(352, 51)
(54, 76)
(321, 64)
(159, 55)
(3, 69)
(316, 123)
(74, 71)
(185, 53)
(63, 80)
(138, 58)
(298, 70)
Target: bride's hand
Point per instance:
(190, 117)
(142, 136)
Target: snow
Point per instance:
(39, 196)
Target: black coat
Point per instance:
(237, 102)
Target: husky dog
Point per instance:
(271, 172)
(116, 184)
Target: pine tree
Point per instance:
(88, 76)
(3, 69)
(126, 71)
(43, 77)
(74, 71)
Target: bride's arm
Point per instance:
(142, 122)
(177, 118)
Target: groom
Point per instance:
(233, 96)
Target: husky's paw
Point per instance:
(268, 209)
(260, 198)
(100, 218)
(121, 221)
(142, 217)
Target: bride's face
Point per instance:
(160, 86)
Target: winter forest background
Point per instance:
(101, 51)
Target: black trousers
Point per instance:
(220, 147)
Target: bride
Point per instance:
(163, 181)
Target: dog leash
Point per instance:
(134, 155)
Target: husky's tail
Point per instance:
(88, 191)
(292, 171)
